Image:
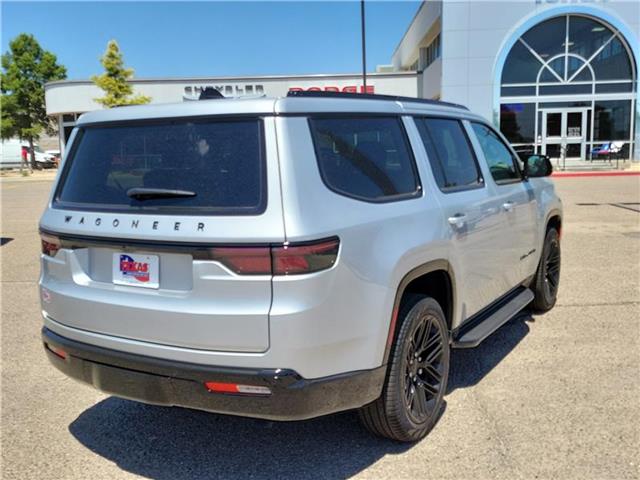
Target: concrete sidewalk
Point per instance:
(596, 173)
(11, 176)
(579, 165)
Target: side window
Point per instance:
(502, 163)
(451, 157)
(365, 158)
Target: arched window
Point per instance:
(568, 82)
(568, 49)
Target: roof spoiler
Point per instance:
(370, 96)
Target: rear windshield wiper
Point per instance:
(140, 193)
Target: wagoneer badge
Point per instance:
(115, 223)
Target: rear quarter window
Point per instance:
(365, 158)
(221, 162)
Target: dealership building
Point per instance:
(558, 77)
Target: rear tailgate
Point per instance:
(152, 267)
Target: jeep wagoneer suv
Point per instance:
(285, 258)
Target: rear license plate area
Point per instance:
(136, 269)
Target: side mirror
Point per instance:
(537, 166)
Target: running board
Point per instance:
(479, 328)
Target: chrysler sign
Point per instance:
(192, 92)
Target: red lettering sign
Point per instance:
(329, 88)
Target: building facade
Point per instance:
(66, 100)
(558, 77)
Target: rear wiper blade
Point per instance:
(140, 193)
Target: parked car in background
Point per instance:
(14, 150)
(607, 151)
(55, 154)
(286, 258)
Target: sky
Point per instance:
(171, 39)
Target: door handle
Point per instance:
(508, 206)
(457, 220)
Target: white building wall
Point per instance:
(430, 83)
(78, 96)
(473, 33)
(406, 52)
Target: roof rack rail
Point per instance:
(370, 96)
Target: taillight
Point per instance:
(290, 259)
(50, 244)
(305, 258)
(244, 260)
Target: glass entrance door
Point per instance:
(576, 134)
(565, 132)
(552, 134)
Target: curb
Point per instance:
(595, 174)
(46, 177)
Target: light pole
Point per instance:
(364, 49)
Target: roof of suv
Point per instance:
(296, 104)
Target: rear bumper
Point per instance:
(171, 383)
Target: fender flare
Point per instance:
(554, 212)
(425, 268)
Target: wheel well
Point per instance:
(436, 284)
(555, 222)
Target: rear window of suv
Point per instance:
(365, 158)
(218, 167)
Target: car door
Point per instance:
(516, 202)
(469, 209)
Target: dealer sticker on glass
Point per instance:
(138, 270)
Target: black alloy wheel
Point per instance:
(424, 369)
(412, 398)
(552, 268)
(547, 279)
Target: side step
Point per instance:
(473, 332)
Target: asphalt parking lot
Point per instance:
(549, 396)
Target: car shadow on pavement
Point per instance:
(470, 366)
(168, 443)
(173, 443)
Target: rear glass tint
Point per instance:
(365, 158)
(220, 162)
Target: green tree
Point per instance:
(114, 81)
(26, 67)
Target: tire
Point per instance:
(412, 396)
(547, 279)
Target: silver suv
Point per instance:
(292, 257)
